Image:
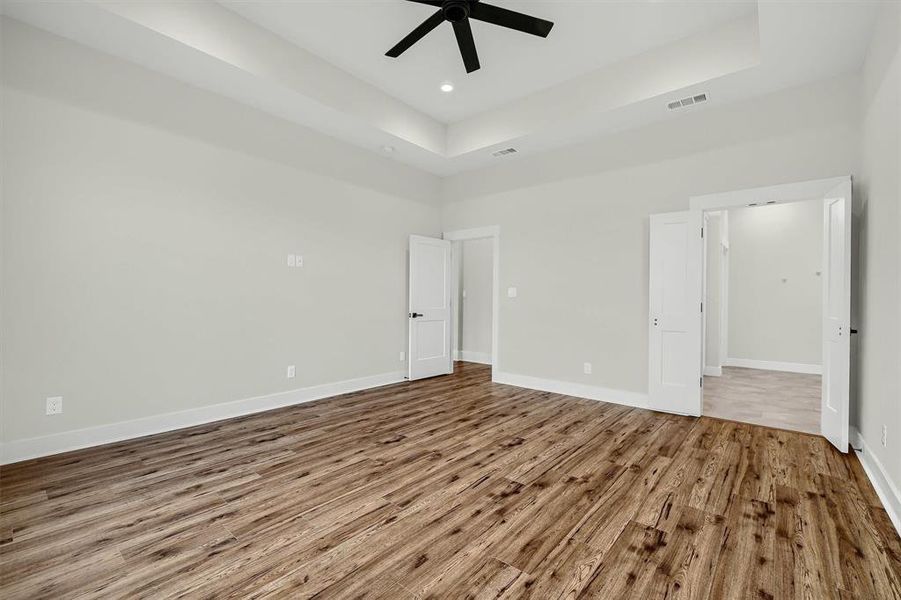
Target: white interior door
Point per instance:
(675, 344)
(834, 414)
(430, 308)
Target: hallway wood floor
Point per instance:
(770, 398)
(450, 488)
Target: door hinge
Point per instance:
(702, 233)
(702, 381)
(702, 307)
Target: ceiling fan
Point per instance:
(459, 12)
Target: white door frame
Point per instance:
(492, 232)
(781, 194)
(724, 287)
(722, 249)
(704, 304)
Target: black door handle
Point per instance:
(414, 315)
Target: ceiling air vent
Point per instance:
(504, 152)
(687, 101)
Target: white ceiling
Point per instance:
(355, 34)
(607, 65)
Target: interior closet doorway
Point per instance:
(474, 294)
(763, 343)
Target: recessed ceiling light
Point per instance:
(388, 149)
(447, 87)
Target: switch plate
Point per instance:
(291, 260)
(586, 368)
(298, 260)
(511, 292)
(54, 405)
(403, 356)
(291, 372)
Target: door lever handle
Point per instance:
(415, 314)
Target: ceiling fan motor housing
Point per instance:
(458, 13)
(455, 10)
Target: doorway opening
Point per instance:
(435, 327)
(474, 291)
(677, 352)
(473, 299)
(763, 293)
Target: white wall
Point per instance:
(713, 303)
(878, 190)
(476, 289)
(574, 222)
(775, 283)
(145, 231)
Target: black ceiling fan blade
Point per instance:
(429, 2)
(416, 35)
(467, 45)
(510, 19)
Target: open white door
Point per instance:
(834, 414)
(675, 345)
(430, 308)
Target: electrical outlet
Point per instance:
(403, 356)
(586, 368)
(291, 372)
(54, 405)
(884, 435)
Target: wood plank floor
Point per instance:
(770, 398)
(450, 488)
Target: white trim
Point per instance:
(477, 233)
(472, 234)
(724, 286)
(885, 488)
(774, 365)
(816, 189)
(712, 371)
(578, 390)
(18, 450)
(473, 357)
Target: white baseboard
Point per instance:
(885, 488)
(771, 365)
(568, 388)
(18, 450)
(713, 371)
(473, 357)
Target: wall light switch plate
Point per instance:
(511, 292)
(586, 368)
(291, 260)
(291, 372)
(298, 260)
(54, 405)
(403, 356)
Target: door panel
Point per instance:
(674, 330)
(429, 315)
(834, 414)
